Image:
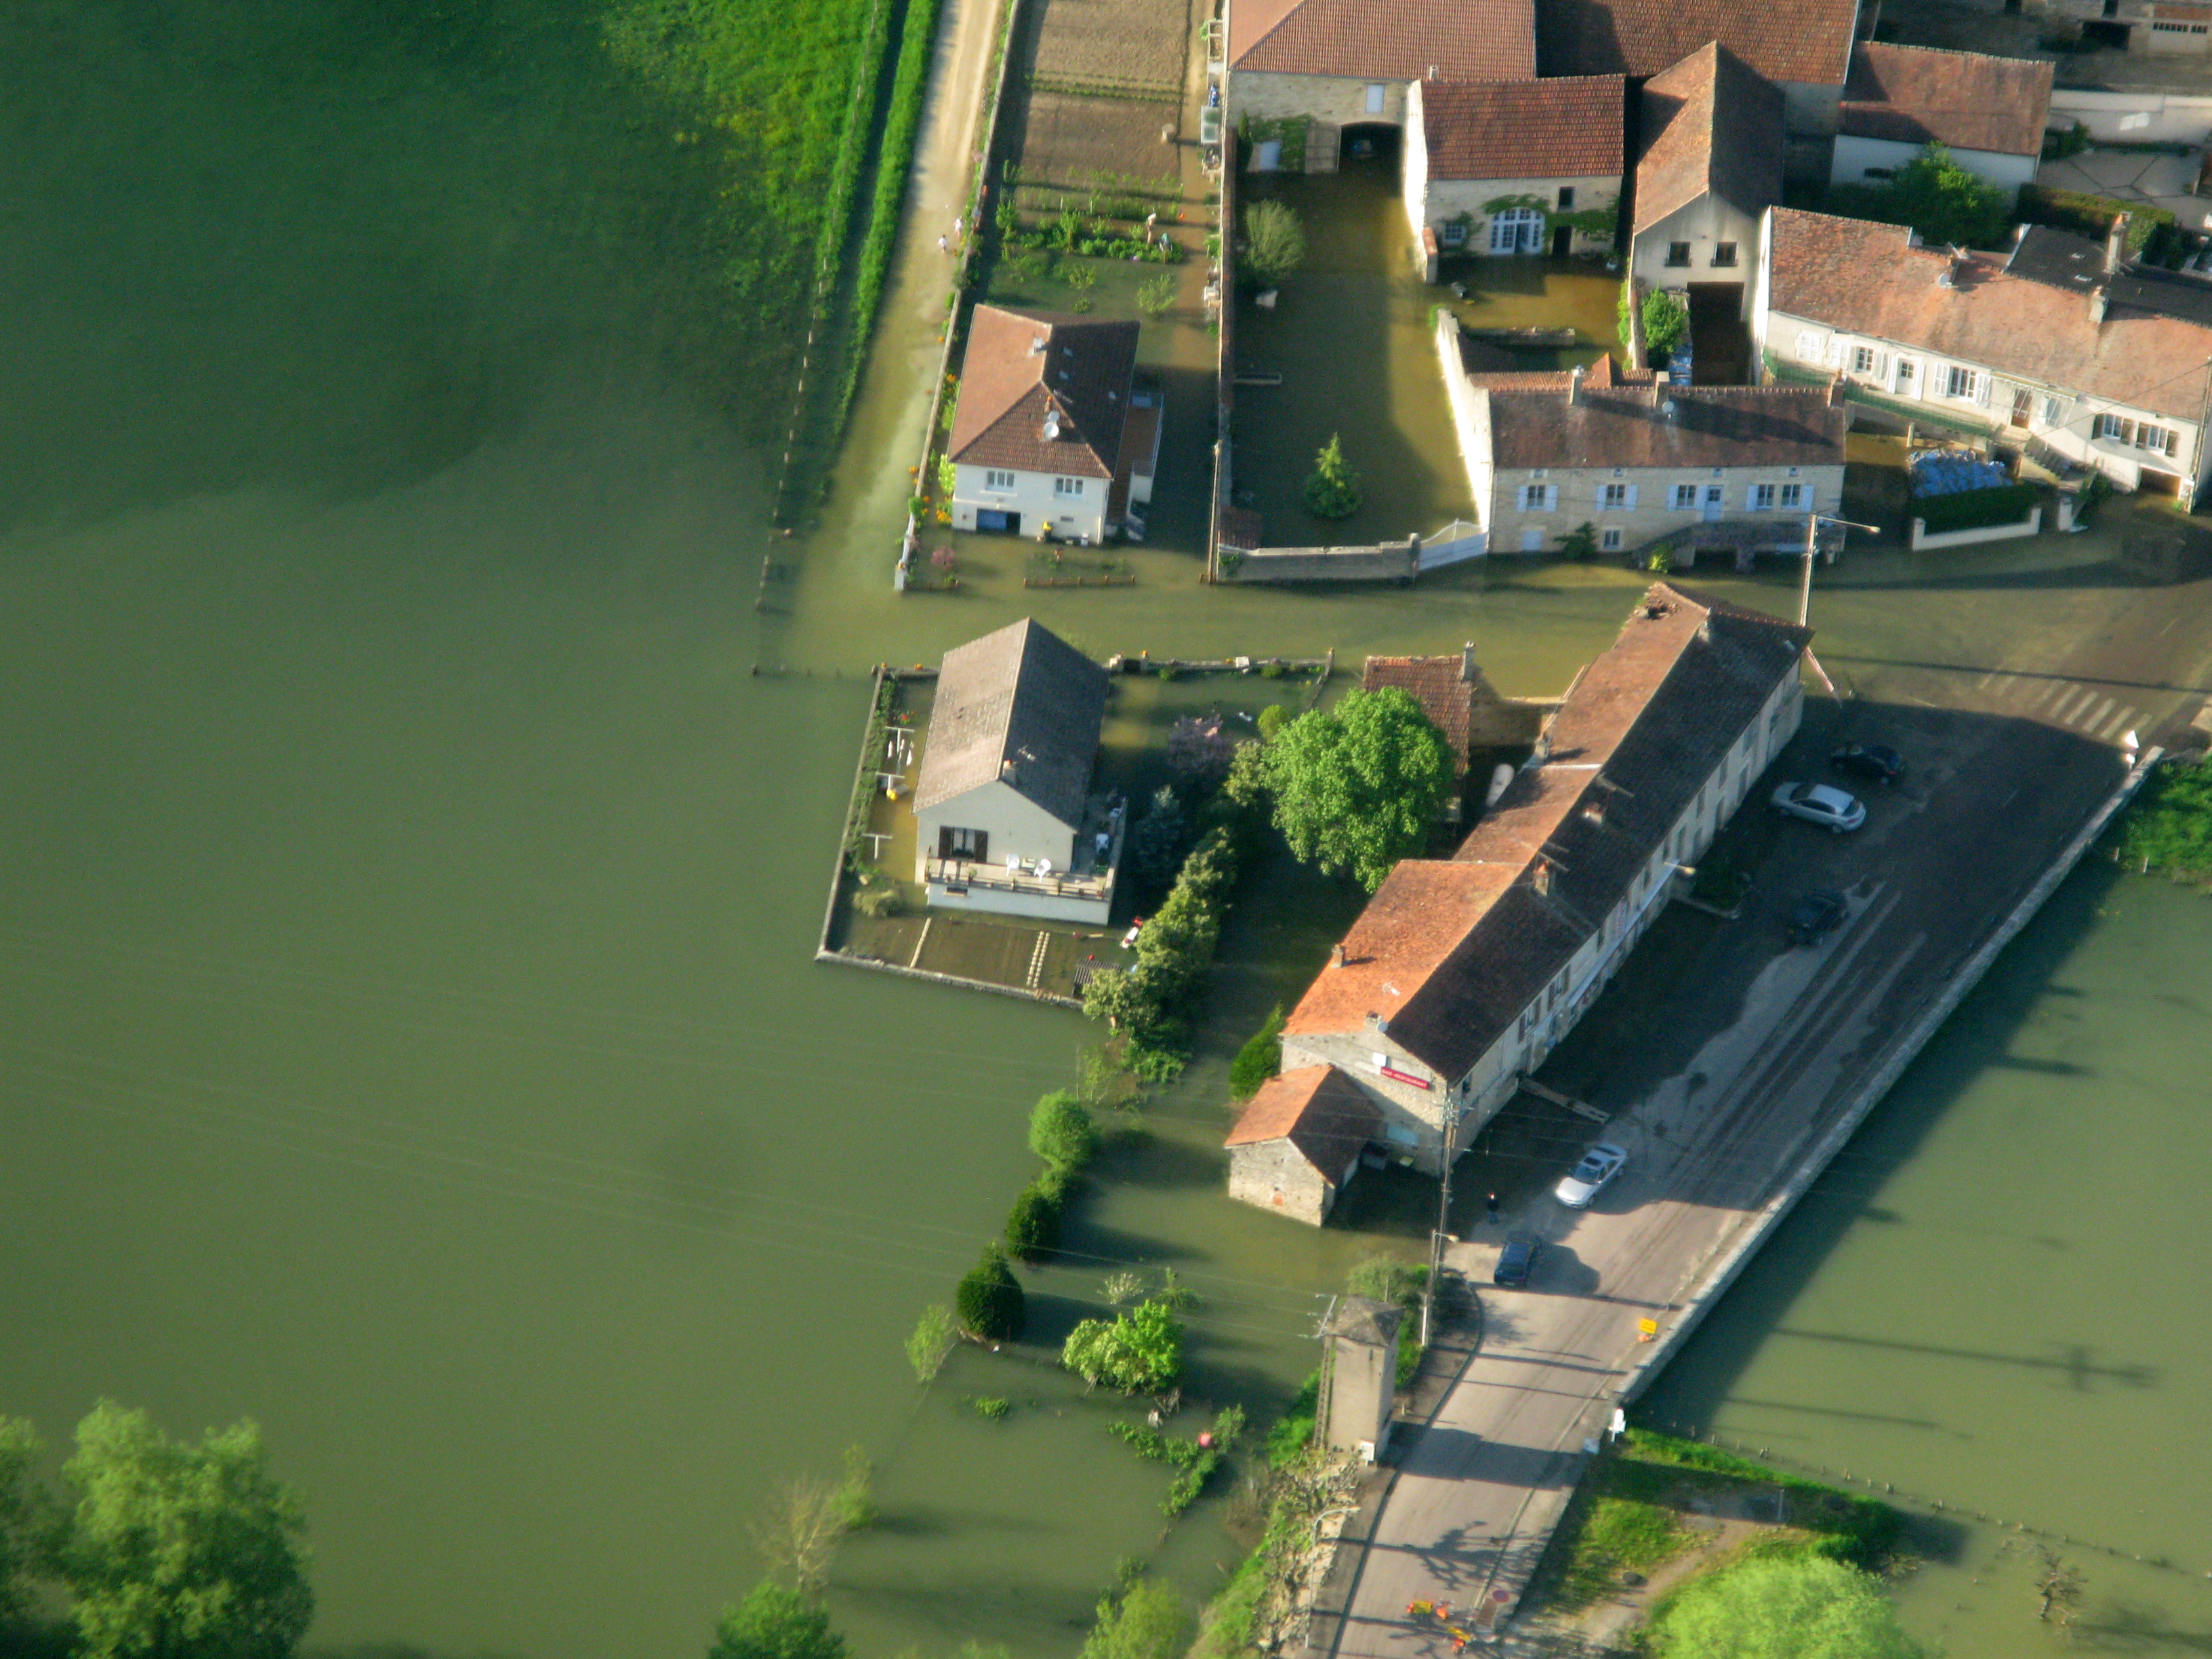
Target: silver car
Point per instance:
(1822, 803)
(1599, 1166)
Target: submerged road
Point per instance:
(1723, 1082)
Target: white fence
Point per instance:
(1924, 541)
(2134, 118)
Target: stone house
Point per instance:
(2055, 345)
(1639, 461)
(1053, 433)
(1298, 1144)
(1710, 166)
(1463, 973)
(1804, 50)
(1349, 63)
(1494, 166)
(1462, 703)
(1989, 113)
(1005, 817)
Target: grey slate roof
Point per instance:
(1020, 704)
(1363, 1319)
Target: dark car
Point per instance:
(1515, 1262)
(1815, 916)
(1877, 761)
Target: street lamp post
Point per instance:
(1812, 523)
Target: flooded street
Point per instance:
(407, 1033)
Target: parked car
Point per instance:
(1814, 916)
(1877, 761)
(1599, 1165)
(1516, 1262)
(1821, 803)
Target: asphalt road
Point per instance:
(1723, 1066)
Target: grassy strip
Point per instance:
(917, 43)
(863, 777)
(2168, 827)
(852, 147)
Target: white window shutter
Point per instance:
(1809, 346)
(1631, 498)
(1835, 351)
(1981, 388)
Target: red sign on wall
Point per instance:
(1397, 1075)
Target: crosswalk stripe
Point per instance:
(2058, 710)
(2121, 722)
(2103, 709)
(2038, 701)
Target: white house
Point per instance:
(1496, 167)
(1703, 469)
(1005, 817)
(1347, 63)
(1804, 49)
(1710, 166)
(1989, 113)
(1053, 435)
(2090, 367)
(1463, 973)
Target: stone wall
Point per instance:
(1274, 1176)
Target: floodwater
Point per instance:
(409, 1038)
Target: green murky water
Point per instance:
(409, 1039)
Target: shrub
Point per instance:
(990, 1409)
(1801, 1608)
(1033, 1224)
(1274, 244)
(1260, 1059)
(1292, 1433)
(1136, 1351)
(1973, 509)
(1666, 320)
(1148, 1621)
(1934, 196)
(1159, 841)
(878, 902)
(1581, 542)
(1333, 489)
(990, 1301)
(1061, 1132)
(2058, 146)
(931, 1344)
(1156, 295)
(2091, 215)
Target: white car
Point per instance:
(1822, 803)
(1599, 1166)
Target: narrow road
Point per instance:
(1720, 1085)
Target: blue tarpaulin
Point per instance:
(1948, 472)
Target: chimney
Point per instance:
(1336, 954)
(2115, 243)
(2097, 306)
(1540, 876)
(1466, 663)
(1574, 384)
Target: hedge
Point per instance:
(990, 1301)
(2091, 215)
(1975, 509)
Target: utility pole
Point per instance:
(1812, 523)
(1452, 1111)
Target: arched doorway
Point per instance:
(1518, 230)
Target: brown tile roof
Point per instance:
(1402, 40)
(1810, 42)
(1968, 100)
(1020, 703)
(1868, 279)
(1319, 1110)
(1569, 128)
(1449, 953)
(1626, 424)
(1445, 687)
(1711, 123)
(1028, 373)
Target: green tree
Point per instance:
(1271, 721)
(1809, 1607)
(1033, 1224)
(1358, 786)
(1934, 196)
(176, 1550)
(1581, 542)
(1061, 1132)
(1122, 997)
(989, 1301)
(1260, 1059)
(772, 1622)
(24, 1516)
(1333, 489)
(1148, 1621)
(1666, 320)
(1156, 295)
(931, 1344)
(1136, 1351)
(1274, 244)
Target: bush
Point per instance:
(1666, 320)
(1292, 1433)
(927, 1349)
(1061, 1132)
(1333, 489)
(1260, 1059)
(990, 1409)
(1155, 295)
(2091, 215)
(1159, 841)
(2169, 827)
(1933, 194)
(989, 1301)
(1148, 1621)
(2058, 146)
(1274, 244)
(1033, 1224)
(1140, 1351)
(1801, 1608)
(1973, 509)
(878, 902)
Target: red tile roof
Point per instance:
(1449, 953)
(1808, 42)
(1711, 123)
(1968, 100)
(1326, 1116)
(1404, 40)
(1868, 279)
(1028, 373)
(1569, 128)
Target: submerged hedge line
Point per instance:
(1975, 509)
